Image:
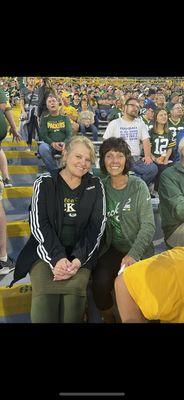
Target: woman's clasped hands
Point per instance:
(65, 269)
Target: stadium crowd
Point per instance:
(135, 129)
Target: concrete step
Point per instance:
(23, 175)
(19, 216)
(8, 141)
(18, 233)
(15, 303)
(8, 145)
(18, 229)
(15, 157)
(16, 200)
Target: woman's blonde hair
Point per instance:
(84, 140)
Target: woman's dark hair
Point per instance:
(155, 123)
(116, 144)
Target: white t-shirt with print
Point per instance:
(133, 132)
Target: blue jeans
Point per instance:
(92, 128)
(145, 171)
(47, 152)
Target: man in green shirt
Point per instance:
(171, 195)
(55, 129)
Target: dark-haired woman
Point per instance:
(161, 143)
(130, 223)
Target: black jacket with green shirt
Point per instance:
(130, 220)
(46, 223)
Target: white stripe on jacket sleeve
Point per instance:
(34, 221)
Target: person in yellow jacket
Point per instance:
(69, 111)
(152, 289)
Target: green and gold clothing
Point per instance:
(55, 128)
(160, 142)
(69, 111)
(149, 123)
(175, 127)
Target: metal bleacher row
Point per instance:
(24, 168)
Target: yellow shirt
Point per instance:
(157, 285)
(70, 111)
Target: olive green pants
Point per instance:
(58, 308)
(57, 301)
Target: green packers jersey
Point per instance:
(160, 142)
(175, 127)
(148, 123)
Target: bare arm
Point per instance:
(147, 151)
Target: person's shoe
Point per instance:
(6, 266)
(7, 182)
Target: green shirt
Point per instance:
(160, 142)
(3, 123)
(55, 128)
(130, 220)
(175, 127)
(114, 198)
(70, 214)
(114, 114)
(171, 194)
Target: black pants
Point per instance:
(32, 126)
(103, 277)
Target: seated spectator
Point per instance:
(150, 99)
(152, 289)
(76, 101)
(148, 115)
(171, 194)
(6, 263)
(176, 127)
(55, 130)
(161, 143)
(130, 222)
(135, 132)
(69, 111)
(160, 100)
(174, 98)
(116, 111)
(67, 220)
(86, 121)
(104, 106)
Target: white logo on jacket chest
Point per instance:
(127, 206)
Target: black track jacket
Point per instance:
(46, 220)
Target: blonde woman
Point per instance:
(67, 220)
